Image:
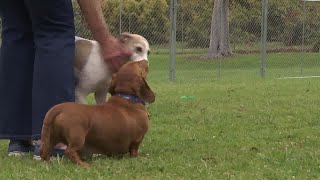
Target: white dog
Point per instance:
(92, 72)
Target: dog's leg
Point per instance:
(85, 154)
(74, 157)
(75, 144)
(134, 152)
(100, 96)
(80, 97)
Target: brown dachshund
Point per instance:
(114, 128)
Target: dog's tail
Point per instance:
(46, 144)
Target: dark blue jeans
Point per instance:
(36, 63)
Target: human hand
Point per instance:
(114, 53)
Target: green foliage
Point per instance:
(154, 21)
(150, 18)
(285, 22)
(194, 23)
(245, 21)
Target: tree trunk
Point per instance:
(219, 36)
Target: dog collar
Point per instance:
(134, 99)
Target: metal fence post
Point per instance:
(120, 17)
(264, 32)
(303, 37)
(173, 40)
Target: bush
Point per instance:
(150, 18)
(198, 29)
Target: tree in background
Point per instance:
(196, 23)
(219, 36)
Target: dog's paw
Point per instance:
(134, 153)
(84, 165)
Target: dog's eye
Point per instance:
(139, 49)
(149, 53)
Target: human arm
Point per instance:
(111, 47)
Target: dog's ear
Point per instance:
(124, 37)
(112, 84)
(144, 68)
(144, 64)
(145, 93)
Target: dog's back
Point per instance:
(116, 127)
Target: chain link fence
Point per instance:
(293, 37)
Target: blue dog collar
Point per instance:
(134, 99)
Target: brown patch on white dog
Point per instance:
(82, 52)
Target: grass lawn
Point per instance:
(238, 126)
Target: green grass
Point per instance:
(238, 126)
(243, 47)
(192, 69)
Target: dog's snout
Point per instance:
(138, 57)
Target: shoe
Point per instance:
(19, 147)
(55, 152)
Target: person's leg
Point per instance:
(53, 79)
(16, 75)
